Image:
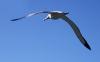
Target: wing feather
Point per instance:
(29, 15)
(77, 31)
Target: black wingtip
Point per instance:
(17, 19)
(14, 20)
(87, 46)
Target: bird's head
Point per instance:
(55, 15)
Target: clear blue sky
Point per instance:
(33, 40)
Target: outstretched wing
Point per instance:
(76, 31)
(29, 15)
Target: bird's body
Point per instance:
(55, 15)
(61, 15)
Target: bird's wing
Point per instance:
(76, 31)
(29, 15)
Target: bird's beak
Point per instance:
(45, 18)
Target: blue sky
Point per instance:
(33, 40)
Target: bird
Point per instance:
(55, 15)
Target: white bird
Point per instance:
(61, 15)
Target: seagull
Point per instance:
(55, 15)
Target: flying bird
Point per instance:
(54, 15)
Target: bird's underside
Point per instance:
(61, 15)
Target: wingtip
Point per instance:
(14, 20)
(17, 19)
(87, 46)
